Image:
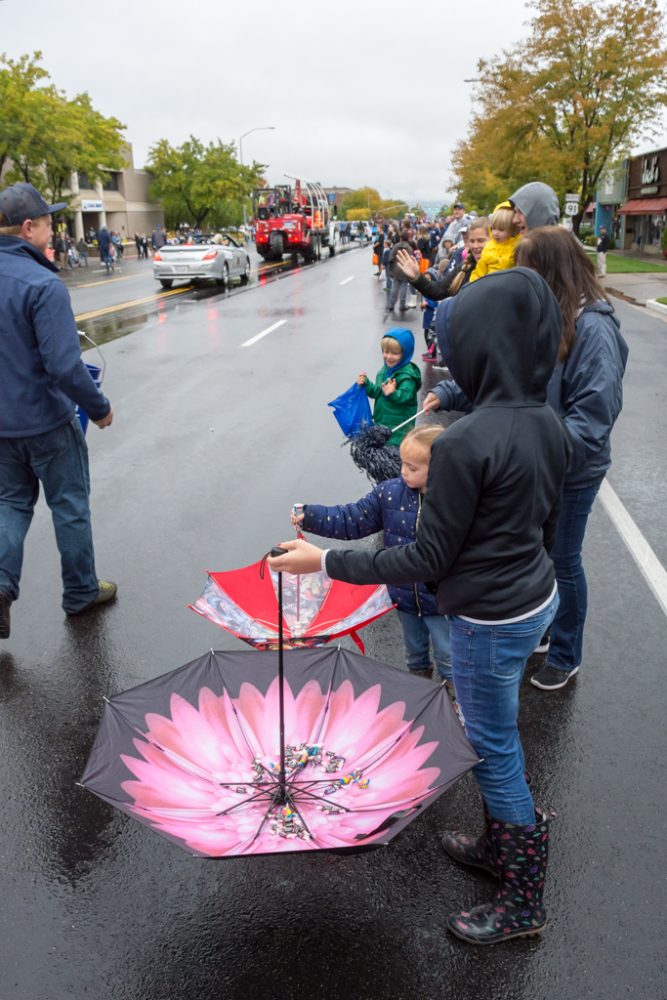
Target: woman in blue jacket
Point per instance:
(586, 390)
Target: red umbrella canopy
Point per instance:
(315, 608)
(196, 753)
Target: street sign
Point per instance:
(571, 207)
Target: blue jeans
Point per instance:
(567, 631)
(419, 633)
(59, 460)
(488, 663)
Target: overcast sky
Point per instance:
(359, 91)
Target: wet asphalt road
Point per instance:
(211, 444)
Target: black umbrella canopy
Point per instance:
(195, 753)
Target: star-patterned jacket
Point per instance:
(392, 507)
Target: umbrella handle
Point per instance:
(408, 420)
(90, 340)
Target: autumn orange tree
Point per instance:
(566, 103)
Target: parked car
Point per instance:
(219, 259)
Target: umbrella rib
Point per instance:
(406, 730)
(245, 802)
(325, 710)
(320, 798)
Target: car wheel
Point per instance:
(223, 280)
(166, 282)
(245, 277)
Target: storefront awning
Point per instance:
(644, 206)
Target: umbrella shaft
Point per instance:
(281, 692)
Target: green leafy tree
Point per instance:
(203, 185)
(566, 103)
(48, 136)
(366, 202)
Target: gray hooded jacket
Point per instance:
(539, 204)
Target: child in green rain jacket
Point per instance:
(396, 384)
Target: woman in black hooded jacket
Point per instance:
(490, 508)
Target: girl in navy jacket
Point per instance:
(394, 507)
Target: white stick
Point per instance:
(408, 420)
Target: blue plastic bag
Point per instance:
(352, 410)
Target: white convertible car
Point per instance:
(213, 261)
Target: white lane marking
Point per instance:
(652, 570)
(258, 336)
(351, 278)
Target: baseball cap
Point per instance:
(460, 204)
(23, 201)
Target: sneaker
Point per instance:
(551, 678)
(107, 592)
(440, 366)
(428, 356)
(544, 643)
(5, 605)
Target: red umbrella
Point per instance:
(316, 609)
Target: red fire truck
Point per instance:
(292, 219)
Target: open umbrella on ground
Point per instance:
(253, 752)
(371, 453)
(315, 609)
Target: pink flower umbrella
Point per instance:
(343, 754)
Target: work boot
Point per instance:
(466, 850)
(5, 605)
(107, 592)
(517, 909)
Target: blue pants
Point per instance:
(59, 460)
(567, 631)
(488, 663)
(419, 633)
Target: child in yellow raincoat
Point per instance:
(498, 254)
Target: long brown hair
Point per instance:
(568, 271)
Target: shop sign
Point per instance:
(92, 205)
(650, 171)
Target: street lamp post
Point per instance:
(260, 128)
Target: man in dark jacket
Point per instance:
(42, 376)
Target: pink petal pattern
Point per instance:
(207, 775)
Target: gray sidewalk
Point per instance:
(637, 288)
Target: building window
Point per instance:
(111, 182)
(85, 181)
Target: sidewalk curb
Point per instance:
(658, 307)
(617, 293)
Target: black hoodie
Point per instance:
(495, 478)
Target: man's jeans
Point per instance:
(398, 293)
(488, 663)
(59, 460)
(567, 631)
(418, 634)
